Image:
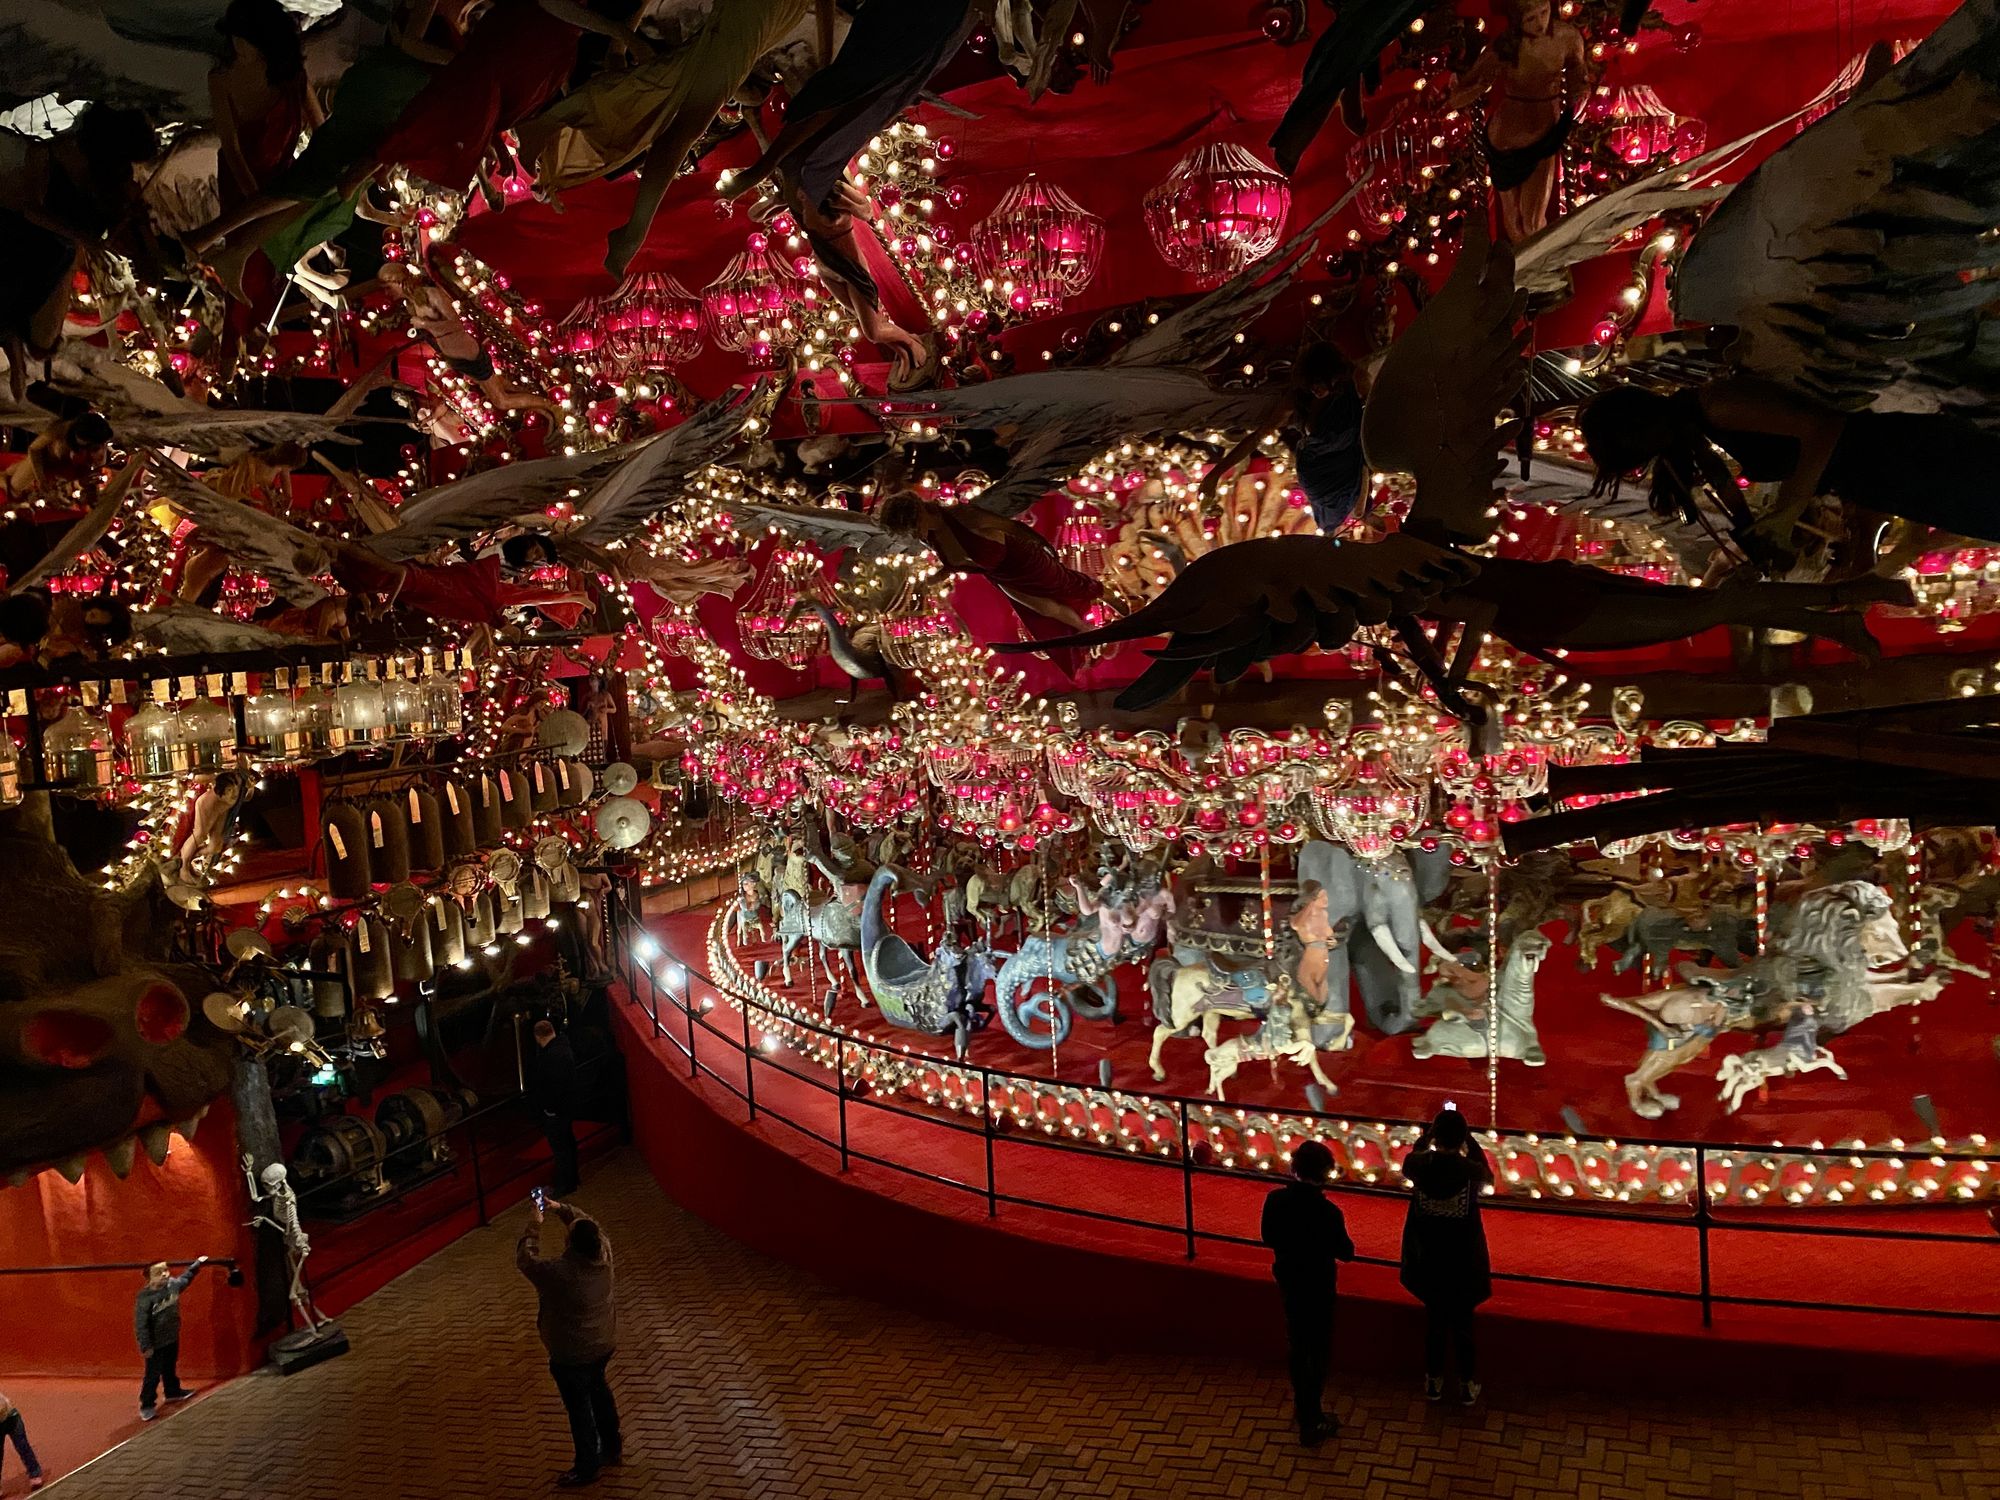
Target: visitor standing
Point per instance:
(1308, 1240)
(579, 1329)
(1445, 1264)
(13, 1428)
(156, 1321)
(552, 1088)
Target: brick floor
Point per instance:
(742, 1377)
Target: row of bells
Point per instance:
(379, 842)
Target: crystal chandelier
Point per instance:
(779, 623)
(651, 322)
(1218, 211)
(1643, 131)
(1371, 807)
(754, 306)
(1040, 244)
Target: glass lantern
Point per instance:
(445, 701)
(153, 736)
(320, 729)
(358, 710)
(405, 710)
(207, 736)
(78, 749)
(274, 727)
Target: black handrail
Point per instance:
(1693, 1212)
(109, 1265)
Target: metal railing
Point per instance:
(728, 1055)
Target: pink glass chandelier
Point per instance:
(1040, 244)
(754, 306)
(1643, 131)
(577, 335)
(1218, 211)
(651, 322)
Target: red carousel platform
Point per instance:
(1053, 1212)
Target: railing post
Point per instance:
(1702, 1219)
(840, 1092)
(986, 1115)
(478, 1178)
(749, 1071)
(1187, 1179)
(653, 990)
(687, 1004)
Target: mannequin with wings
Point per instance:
(1433, 412)
(1856, 265)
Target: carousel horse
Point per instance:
(833, 923)
(1193, 999)
(1797, 1051)
(1285, 1032)
(753, 907)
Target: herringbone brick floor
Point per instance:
(741, 1377)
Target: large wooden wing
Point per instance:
(1348, 47)
(285, 555)
(1246, 603)
(827, 527)
(1433, 409)
(469, 507)
(1853, 261)
(1201, 332)
(654, 478)
(1053, 422)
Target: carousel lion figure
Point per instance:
(1842, 953)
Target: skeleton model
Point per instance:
(284, 1217)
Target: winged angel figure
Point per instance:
(1857, 266)
(1436, 411)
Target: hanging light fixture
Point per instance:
(779, 623)
(753, 306)
(580, 335)
(1643, 131)
(651, 322)
(1040, 244)
(1218, 211)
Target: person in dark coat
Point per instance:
(1445, 1265)
(552, 1089)
(1308, 1240)
(579, 1327)
(156, 1322)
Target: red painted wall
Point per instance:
(80, 1323)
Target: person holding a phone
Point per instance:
(1445, 1264)
(1308, 1238)
(579, 1328)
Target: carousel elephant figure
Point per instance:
(1382, 902)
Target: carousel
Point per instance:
(1170, 578)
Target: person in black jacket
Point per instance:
(1308, 1240)
(156, 1322)
(1445, 1265)
(552, 1089)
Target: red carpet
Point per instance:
(72, 1421)
(900, 1236)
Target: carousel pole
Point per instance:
(1763, 906)
(1493, 993)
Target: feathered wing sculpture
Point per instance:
(1053, 422)
(652, 479)
(1542, 261)
(1850, 261)
(825, 526)
(1200, 333)
(479, 502)
(280, 551)
(1241, 605)
(89, 528)
(1432, 409)
(1345, 51)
